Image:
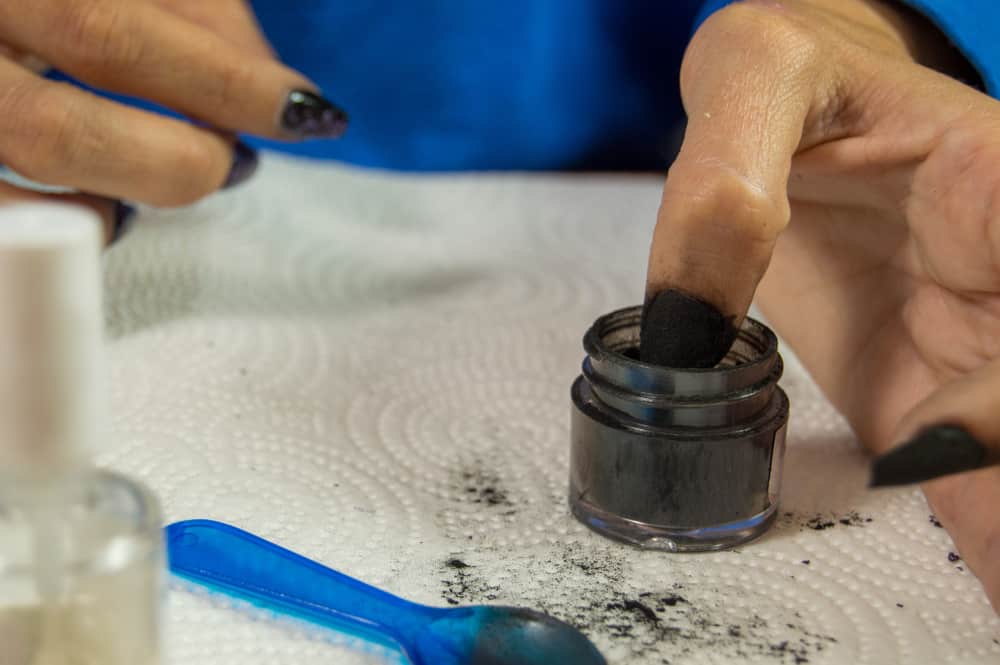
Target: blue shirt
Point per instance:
(522, 84)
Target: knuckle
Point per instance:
(95, 33)
(40, 132)
(192, 168)
(720, 195)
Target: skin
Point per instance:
(821, 143)
(829, 163)
(207, 60)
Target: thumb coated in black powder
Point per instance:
(680, 330)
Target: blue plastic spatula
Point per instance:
(241, 565)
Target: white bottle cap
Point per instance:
(52, 387)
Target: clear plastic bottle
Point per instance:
(81, 552)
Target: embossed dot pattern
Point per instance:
(374, 370)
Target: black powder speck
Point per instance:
(477, 484)
(806, 561)
(900, 605)
(456, 563)
(647, 613)
(820, 524)
(953, 557)
(823, 522)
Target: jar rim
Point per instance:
(593, 344)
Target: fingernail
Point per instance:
(308, 115)
(681, 330)
(245, 163)
(936, 451)
(124, 216)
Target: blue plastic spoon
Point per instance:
(241, 565)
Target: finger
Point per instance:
(142, 50)
(115, 216)
(57, 134)
(231, 19)
(956, 429)
(756, 88)
(963, 503)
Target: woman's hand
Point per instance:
(206, 60)
(871, 184)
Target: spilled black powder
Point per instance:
(645, 613)
(662, 624)
(953, 557)
(477, 485)
(819, 522)
(681, 330)
(457, 585)
(935, 522)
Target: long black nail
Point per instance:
(681, 330)
(308, 115)
(936, 451)
(245, 163)
(124, 216)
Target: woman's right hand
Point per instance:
(205, 60)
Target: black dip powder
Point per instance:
(677, 459)
(680, 330)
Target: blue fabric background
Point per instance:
(522, 84)
(459, 84)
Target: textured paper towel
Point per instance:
(374, 370)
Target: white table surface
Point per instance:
(374, 369)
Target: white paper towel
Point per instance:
(374, 370)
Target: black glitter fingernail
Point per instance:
(681, 330)
(936, 451)
(124, 216)
(308, 115)
(245, 163)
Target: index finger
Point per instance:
(753, 85)
(142, 50)
(232, 19)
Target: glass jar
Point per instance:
(679, 460)
(81, 571)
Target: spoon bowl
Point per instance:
(486, 635)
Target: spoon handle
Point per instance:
(242, 565)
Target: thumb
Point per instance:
(754, 84)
